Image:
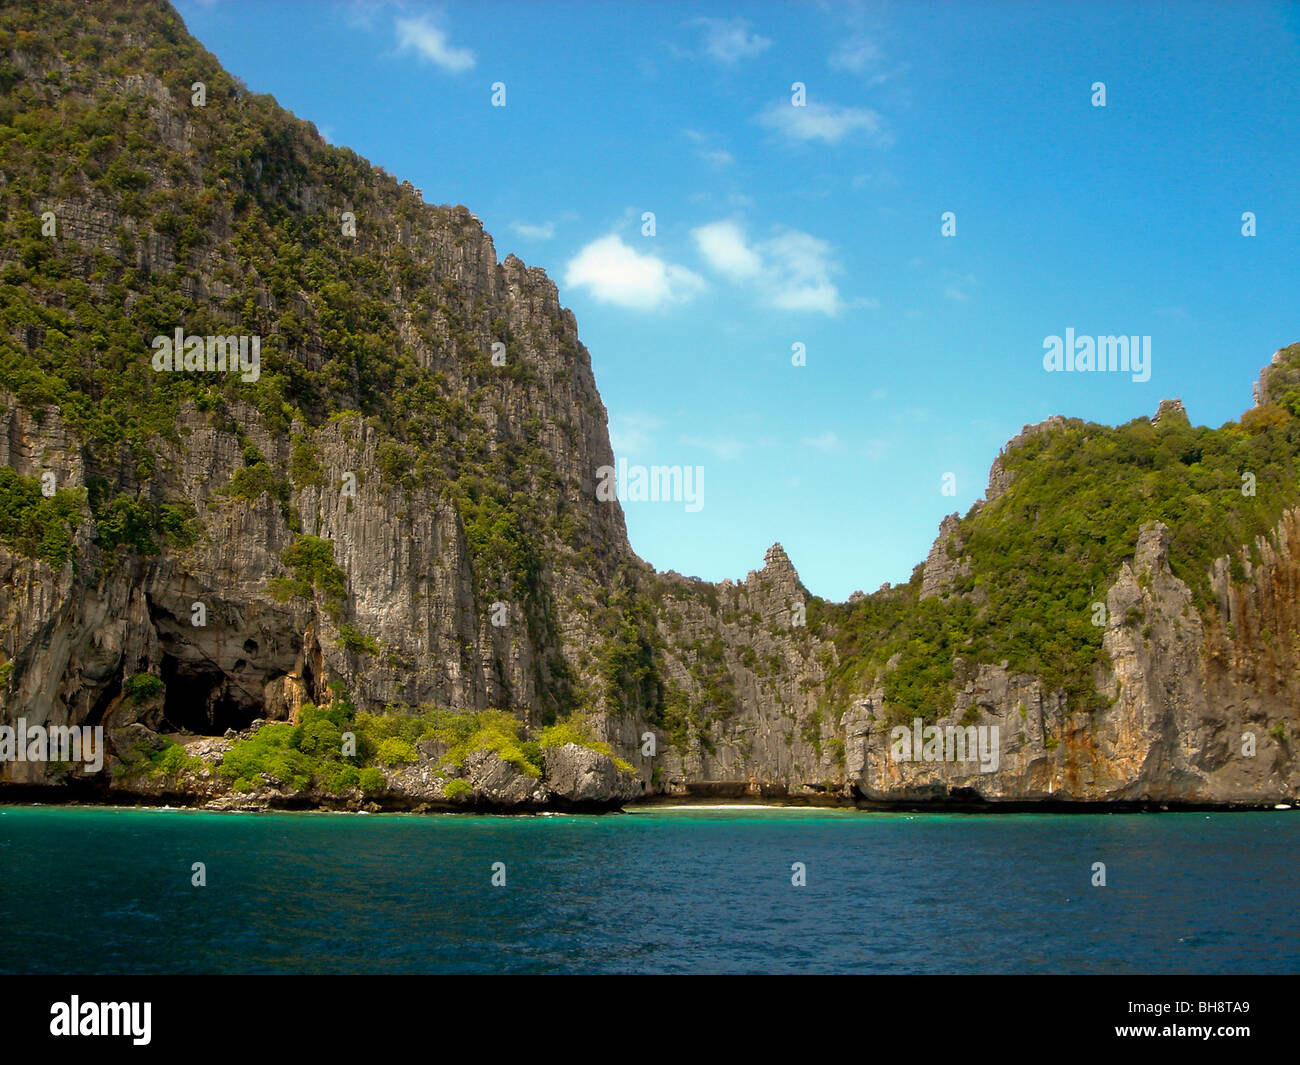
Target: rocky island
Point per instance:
(377, 573)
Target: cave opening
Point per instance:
(201, 700)
(102, 702)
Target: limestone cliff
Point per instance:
(401, 510)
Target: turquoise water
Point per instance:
(658, 890)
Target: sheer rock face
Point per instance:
(744, 655)
(1197, 715)
(1280, 376)
(1189, 692)
(204, 618)
(73, 637)
(944, 565)
(743, 664)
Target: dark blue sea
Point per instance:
(659, 890)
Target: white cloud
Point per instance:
(729, 40)
(614, 272)
(792, 270)
(803, 264)
(823, 297)
(860, 55)
(421, 36)
(712, 155)
(543, 232)
(856, 53)
(723, 246)
(630, 434)
(827, 442)
(725, 447)
(823, 122)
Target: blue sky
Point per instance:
(820, 225)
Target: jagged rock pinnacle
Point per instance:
(1170, 410)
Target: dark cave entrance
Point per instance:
(201, 700)
(105, 699)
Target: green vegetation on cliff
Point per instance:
(35, 525)
(225, 219)
(1047, 549)
(310, 754)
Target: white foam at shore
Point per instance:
(719, 806)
